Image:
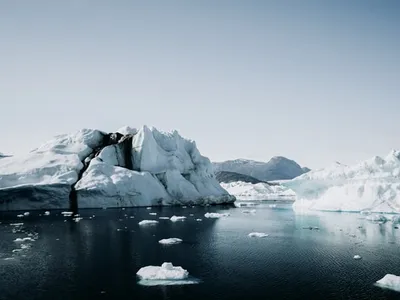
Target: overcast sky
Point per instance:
(315, 81)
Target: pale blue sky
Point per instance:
(316, 81)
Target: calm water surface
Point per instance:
(98, 258)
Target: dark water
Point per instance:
(92, 259)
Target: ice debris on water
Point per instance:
(258, 234)
(177, 218)
(216, 215)
(390, 281)
(166, 272)
(170, 241)
(148, 222)
(357, 256)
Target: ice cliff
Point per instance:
(372, 185)
(91, 168)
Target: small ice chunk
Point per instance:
(390, 281)
(153, 214)
(216, 215)
(177, 218)
(272, 205)
(164, 218)
(46, 213)
(21, 240)
(26, 214)
(357, 256)
(148, 222)
(170, 241)
(17, 250)
(16, 224)
(67, 213)
(148, 207)
(20, 216)
(251, 211)
(199, 220)
(184, 206)
(191, 215)
(258, 234)
(376, 218)
(77, 219)
(166, 272)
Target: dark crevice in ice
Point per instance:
(108, 139)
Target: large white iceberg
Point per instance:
(166, 272)
(372, 185)
(144, 167)
(260, 191)
(390, 281)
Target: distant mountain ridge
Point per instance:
(227, 177)
(277, 168)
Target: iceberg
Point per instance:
(170, 241)
(246, 191)
(372, 185)
(216, 215)
(148, 222)
(95, 169)
(390, 281)
(258, 234)
(177, 218)
(167, 274)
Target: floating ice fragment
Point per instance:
(199, 220)
(67, 213)
(357, 256)
(21, 240)
(46, 213)
(153, 214)
(26, 214)
(177, 218)
(20, 216)
(164, 218)
(166, 272)
(170, 241)
(258, 234)
(148, 222)
(216, 215)
(16, 224)
(148, 207)
(390, 281)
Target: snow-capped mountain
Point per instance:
(277, 168)
(91, 168)
(372, 185)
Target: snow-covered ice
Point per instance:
(372, 185)
(390, 281)
(148, 222)
(26, 239)
(164, 218)
(258, 234)
(177, 218)
(245, 191)
(170, 241)
(216, 215)
(161, 169)
(357, 257)
(166, 272)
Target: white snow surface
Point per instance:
(260, 191)
(167, 169)
(170, 241)
(166, 272)
(390, 281)
(372, 185)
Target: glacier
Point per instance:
(131, 167)
(372, 185)
(246, 191)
